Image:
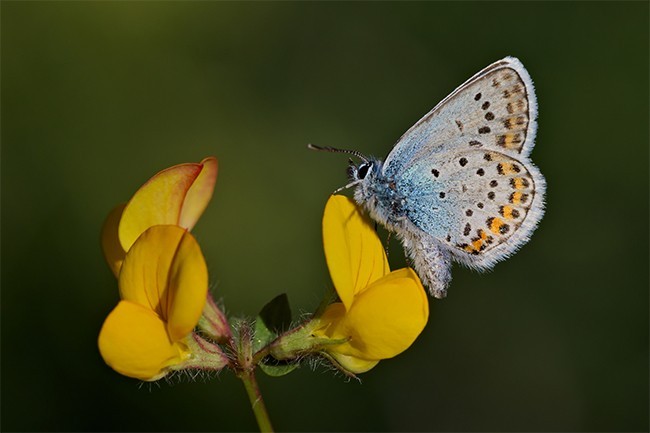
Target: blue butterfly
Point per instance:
(459, 185)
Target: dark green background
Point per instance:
(99, 96)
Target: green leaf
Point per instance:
(277, 314)
(275, 368)
(274, 319)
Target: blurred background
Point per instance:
(99, 96)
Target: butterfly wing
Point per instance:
(480, 205)
(496, 109)
(465, 171)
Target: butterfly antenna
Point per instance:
(336, 150)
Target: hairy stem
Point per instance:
(257, 403)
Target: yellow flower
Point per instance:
(177, 195)
(381, 313)
(163, 288)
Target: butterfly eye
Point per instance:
(363, 170)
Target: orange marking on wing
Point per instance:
(510, 141)
(496, 225)
(506, 211)
(478, 242)
(519, 183)
(509, 168)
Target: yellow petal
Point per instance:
(188, 288)
(165, 271)
(199, 194)
(113, 251)
(385, 319)
(355, 256)
(352, 364)
(331, 322)
(133, 341)
(160, 201)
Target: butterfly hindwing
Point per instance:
(480, 205)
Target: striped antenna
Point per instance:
(336, 150)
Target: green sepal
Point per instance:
(338, 366)
(300, 341)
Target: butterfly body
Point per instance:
(459, 185)
(393, 202)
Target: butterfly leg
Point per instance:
(431, 262)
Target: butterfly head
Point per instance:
(364, 178)
(358, 172)
(371, 188)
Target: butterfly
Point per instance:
(459, 185)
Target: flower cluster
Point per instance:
(380, 313)
(162, 275)
(166, 320)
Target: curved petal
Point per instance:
(385, 319)
(199, 194)
(188, 288)
(159, 201)
(330, 321)
(145, 272)
(165, 271)
(111, 246)
(330, 326)
(352, 364)
(355, 256)
(133, 341)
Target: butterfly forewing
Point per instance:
(496, 109)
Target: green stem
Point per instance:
(257, 403)
(261, 354)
